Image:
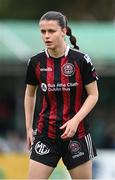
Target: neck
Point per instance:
(58, 52)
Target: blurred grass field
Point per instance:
(15, 166)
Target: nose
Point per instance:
(47, 35)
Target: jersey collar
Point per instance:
(66, 51)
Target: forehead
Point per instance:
(46, 24)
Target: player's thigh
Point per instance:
(83, 171)
(38, 170)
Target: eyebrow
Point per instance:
(49, 30)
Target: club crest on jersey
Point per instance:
(41, 148)
(68, 69)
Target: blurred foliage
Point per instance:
(102, 10)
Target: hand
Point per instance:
(70, 128)
(29, 138)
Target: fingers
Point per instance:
(71, 134)
(29, 141)
(69, 130)
(65, 134)
(63, 126)
(68, 133)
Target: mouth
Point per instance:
(48, 42)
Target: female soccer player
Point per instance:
(68, 92)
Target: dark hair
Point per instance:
(62, 21)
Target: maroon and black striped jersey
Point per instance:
(62, 84)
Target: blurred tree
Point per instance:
(75, 9)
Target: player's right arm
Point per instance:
(29, 106)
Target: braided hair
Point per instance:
(72, 38)
(63, 23)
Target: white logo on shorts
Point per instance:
(41, 148)
(75, 149)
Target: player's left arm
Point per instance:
(91, 100)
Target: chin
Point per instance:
(51, 47)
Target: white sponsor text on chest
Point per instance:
(61, 86)
(69, 84)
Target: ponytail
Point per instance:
(72, 38)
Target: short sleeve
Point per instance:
(30, 74)
(89, 73)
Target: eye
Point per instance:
(43, 31)
(51, 31)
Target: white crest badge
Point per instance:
(68, 69)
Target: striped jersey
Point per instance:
(62, 89)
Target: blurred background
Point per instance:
(93, 23)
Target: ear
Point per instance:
(64, 31)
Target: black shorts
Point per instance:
(73, 152)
